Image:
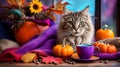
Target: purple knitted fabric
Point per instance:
(43, 42)
(107, 56)
(118, 55)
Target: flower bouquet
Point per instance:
(33, 27)
(29, 19)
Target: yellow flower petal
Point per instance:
(40, 3)
(35, 0)
(35, 6)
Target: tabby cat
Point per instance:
(75, 28)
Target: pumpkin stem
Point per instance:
(105, 27)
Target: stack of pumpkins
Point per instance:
(106, 48)
(104, 34)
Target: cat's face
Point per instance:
(75, 28)
(75, 23)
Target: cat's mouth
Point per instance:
(76, 34)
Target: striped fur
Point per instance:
(76, 27)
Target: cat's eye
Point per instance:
(82, 23)
(68, 24)
(65, 27)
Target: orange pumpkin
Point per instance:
(106, 48)
(104, 33)
(63, 51)
(26, 32)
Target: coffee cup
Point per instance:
(85, 51)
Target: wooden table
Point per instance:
(79, 64)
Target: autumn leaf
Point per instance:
(58, 7)
(51, 59)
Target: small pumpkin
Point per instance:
(104, 33)
(63, 50)
(106, 48)
(26, 32)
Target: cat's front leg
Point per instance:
(70, 40)
(78, 40)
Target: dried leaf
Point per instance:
(28, 57)
(16, 3)
(51, 59)
(58, 7)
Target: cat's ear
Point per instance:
(85, 11)
(66, 11)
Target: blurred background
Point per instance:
(101, 11)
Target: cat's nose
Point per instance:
(76, 26)
(76, 30)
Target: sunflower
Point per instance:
(35, 6)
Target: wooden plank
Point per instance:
(92, 64)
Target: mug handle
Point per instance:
(98, 50)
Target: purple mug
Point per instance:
(85, 51)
